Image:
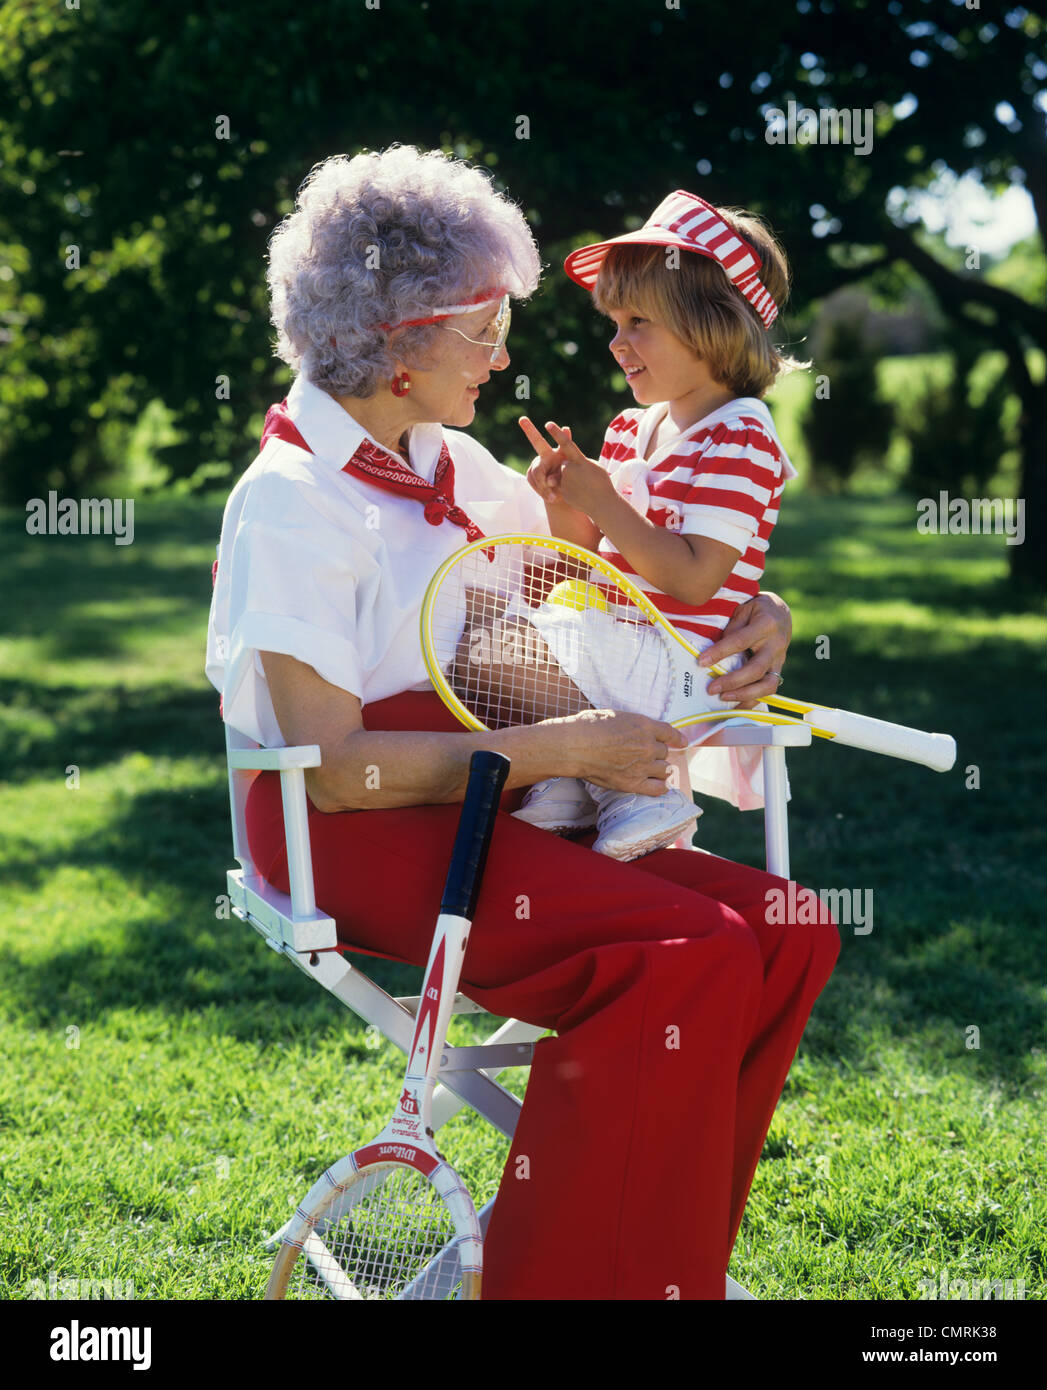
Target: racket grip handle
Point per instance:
(937, 751)
(487, 774)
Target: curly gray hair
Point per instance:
(381, 238)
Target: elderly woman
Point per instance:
(678, 1009)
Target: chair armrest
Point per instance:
(743, 733)
(739, 732)
(275, 759)
(290, 763)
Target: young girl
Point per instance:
(685, 494)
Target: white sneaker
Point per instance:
(632, 825)
(560, 804)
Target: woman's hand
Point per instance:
(626, 752)
(763, 628)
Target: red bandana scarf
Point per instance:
(384, 471)
(387, 472)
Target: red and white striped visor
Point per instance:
(683, 219)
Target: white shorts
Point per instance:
(616, 665)
(614, 670)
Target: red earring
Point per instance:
(401, 385)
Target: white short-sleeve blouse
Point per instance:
(325, 567)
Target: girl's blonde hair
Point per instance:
(693, 297)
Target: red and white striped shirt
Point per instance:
(722, 478)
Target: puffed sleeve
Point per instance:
(733, 483)
(619, 441)
(289, 579)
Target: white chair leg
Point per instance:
(775, 812)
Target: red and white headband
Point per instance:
(685, 220)
(477, 302)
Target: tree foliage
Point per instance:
(112, 142)
(959, 431)
(848, 422)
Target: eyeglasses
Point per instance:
(499, 328)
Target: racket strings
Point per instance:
(521, 638)
(388, 1241)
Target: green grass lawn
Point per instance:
(171, 1088)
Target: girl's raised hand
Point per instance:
(544, 472)
(562, 473)
(583, 483)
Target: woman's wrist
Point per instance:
(535, 751)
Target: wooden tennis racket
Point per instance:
(517, 628)
(393, 1220)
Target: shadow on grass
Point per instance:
(83, 596)
(938, 853)
(45, 728)
(167, 951)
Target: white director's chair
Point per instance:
(295, 927)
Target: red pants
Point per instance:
(678, 1011)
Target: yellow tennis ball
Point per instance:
(575, 593)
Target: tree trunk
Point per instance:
(1017, 323)
(1029, 560)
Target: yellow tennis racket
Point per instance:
(516, 629)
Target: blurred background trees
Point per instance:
(848, 421)
(146, 153)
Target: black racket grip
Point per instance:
(487, 774)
